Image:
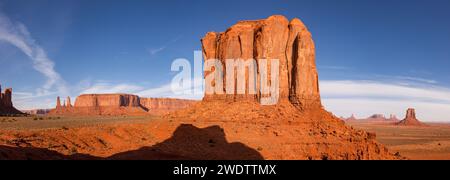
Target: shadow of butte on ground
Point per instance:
(187, 143)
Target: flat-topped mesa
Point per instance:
(118, 104)
(272, 38)
(107, 100)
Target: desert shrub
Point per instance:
(35, 118)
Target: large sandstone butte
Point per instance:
(224, 126)
(272, 38)
(6, 105)
(117, 104)
(410, 119)
(297, 127)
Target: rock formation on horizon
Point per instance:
(410, 119)
(272, 38)
(351, 118)
(118, 104)
(297, 127)
(37, 111)
(68, 103)
(393, 118)
(6, 105)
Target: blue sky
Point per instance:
(51, 48)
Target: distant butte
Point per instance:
(6, 105)
(410, 119)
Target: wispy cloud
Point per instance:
(166, 90)
(16, 34)
(154, 51)
(418, 79)
(105, 87)
(369, 97)
(334, 67)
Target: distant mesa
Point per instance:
(379, 118)
(6, 105)
(117, 104)
(36, 111)
(410, 119)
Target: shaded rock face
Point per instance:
(410, 119)
(272, 38)
(6, 105)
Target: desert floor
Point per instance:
(50, 122)
(432, 142)
(421, 143)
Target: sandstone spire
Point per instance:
(272, 38)
(68, 103)
(58, 102)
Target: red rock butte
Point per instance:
(272, 38)
(297, 127)
(118, 104)
(6, 105)
(410, 119)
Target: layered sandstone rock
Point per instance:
(107, 100)
(163, 105)
(297, 127)
(6, 105)
(272, 38)
(118, 104)
(410, 119)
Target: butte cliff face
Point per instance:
(6, 105)
(117, 104)
(297, 127)
(164, 105)
(410, 119)
(272, 38)
(107, 100)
